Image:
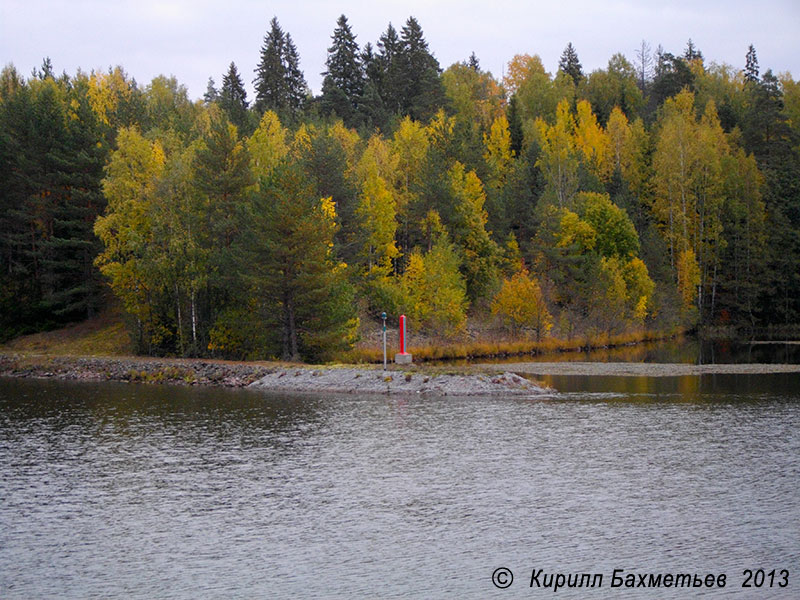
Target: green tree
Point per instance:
(280, 85)
(570, 65)
(343, 85)
(233, 98)
(301, 288)
(421, 93)
(616, 86)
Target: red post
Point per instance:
(403, 357)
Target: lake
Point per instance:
(118, 490)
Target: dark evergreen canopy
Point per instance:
(343, 84)
(569, 64)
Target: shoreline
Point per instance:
(480, 379)
(272, 377)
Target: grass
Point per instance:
(103, 335)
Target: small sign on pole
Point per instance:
(383, 316)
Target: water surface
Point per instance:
(115, 490)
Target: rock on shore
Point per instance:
(371, 381)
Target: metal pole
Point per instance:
(383, 316)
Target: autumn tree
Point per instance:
(434, 291)
(558, 159)
(377, 208)
(126, 231)
(520, 304)
(468, 227)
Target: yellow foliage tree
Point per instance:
(435, 292)
(688, 277)
(558, 159)
(592, 142)
(267, 146)
(498, 153)
(520, 304)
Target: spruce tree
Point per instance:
(295, 80)
(211, 95)
(751, 65)
(692, 53)
(569, 64)
(373, 109)
(422, 93)
(343, 84)
(270, 82)
(388, 58)
(233, 98)
(279, 83)
(515, 125)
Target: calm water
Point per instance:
(112, 490)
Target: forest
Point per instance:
(660, 192)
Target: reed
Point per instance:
(433, 350)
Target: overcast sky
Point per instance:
(195, 39)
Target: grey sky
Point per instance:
(195, 39)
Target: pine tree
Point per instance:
(343, 85)
(233, 98)
(569, 64)
(301, 289)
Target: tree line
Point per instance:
(652, 193)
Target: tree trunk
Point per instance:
(290, 351)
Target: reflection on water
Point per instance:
(685, 350)
(113, 490)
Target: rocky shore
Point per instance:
(269, 377)
(132, 369)
(376, 381)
